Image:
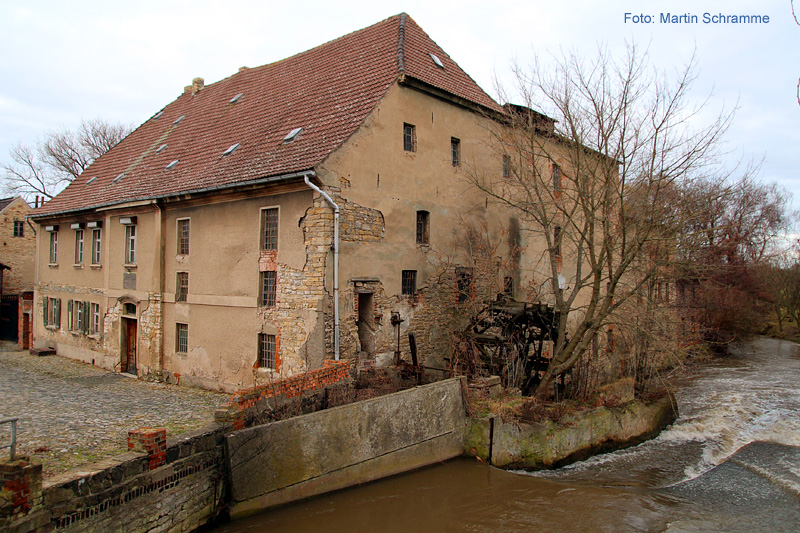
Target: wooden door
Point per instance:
(129, 361)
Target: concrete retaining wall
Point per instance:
(345, 446)
(550, 444)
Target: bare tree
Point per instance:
(59, 158)
(597, 185)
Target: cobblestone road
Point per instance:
(72, 413)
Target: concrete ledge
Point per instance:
(344, 446)
(551, 445)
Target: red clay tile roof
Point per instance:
(328, 91)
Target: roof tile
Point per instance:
(328, 91)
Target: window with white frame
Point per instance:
(130, 244)
(78, 246)
(53, 247)
(94, 324)
(96, 241)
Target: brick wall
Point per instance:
(245, 404)
(160, 485)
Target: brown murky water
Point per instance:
(690, 478)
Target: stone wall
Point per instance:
(159, 486)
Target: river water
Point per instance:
(731, 462)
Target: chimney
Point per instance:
(197, 84)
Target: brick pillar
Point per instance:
(230, 416)
(152, 441)
(20, 486)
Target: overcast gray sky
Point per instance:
(122, 61)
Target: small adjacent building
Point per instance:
(290, 213)
(17, 246)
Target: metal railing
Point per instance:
(13, 421)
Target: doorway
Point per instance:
(128, 345)
(366, 322)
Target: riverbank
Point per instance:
(574, 437)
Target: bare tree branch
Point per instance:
(59, 158)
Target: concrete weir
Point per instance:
(553, 444)
(348, 445)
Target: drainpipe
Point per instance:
(335, 262)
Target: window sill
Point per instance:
(51, 328)
(94, 336)
(78, 266)
(129, 266)
(95, 267)
(52, 265)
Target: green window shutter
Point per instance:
(44, 310)
(58, 312)
(86, 318)
(69, 315)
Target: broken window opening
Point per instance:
(464, 284)
(557, 240)
(423, 227)
(409, 282)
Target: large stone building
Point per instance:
(203, 247)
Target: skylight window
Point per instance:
(178, 120)
(292, 135)
(236, 98)
(91, 180)
(437, 61)
(172, 165)
(158, 115)
(115, 180)
(161, 148)
(230, 150)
